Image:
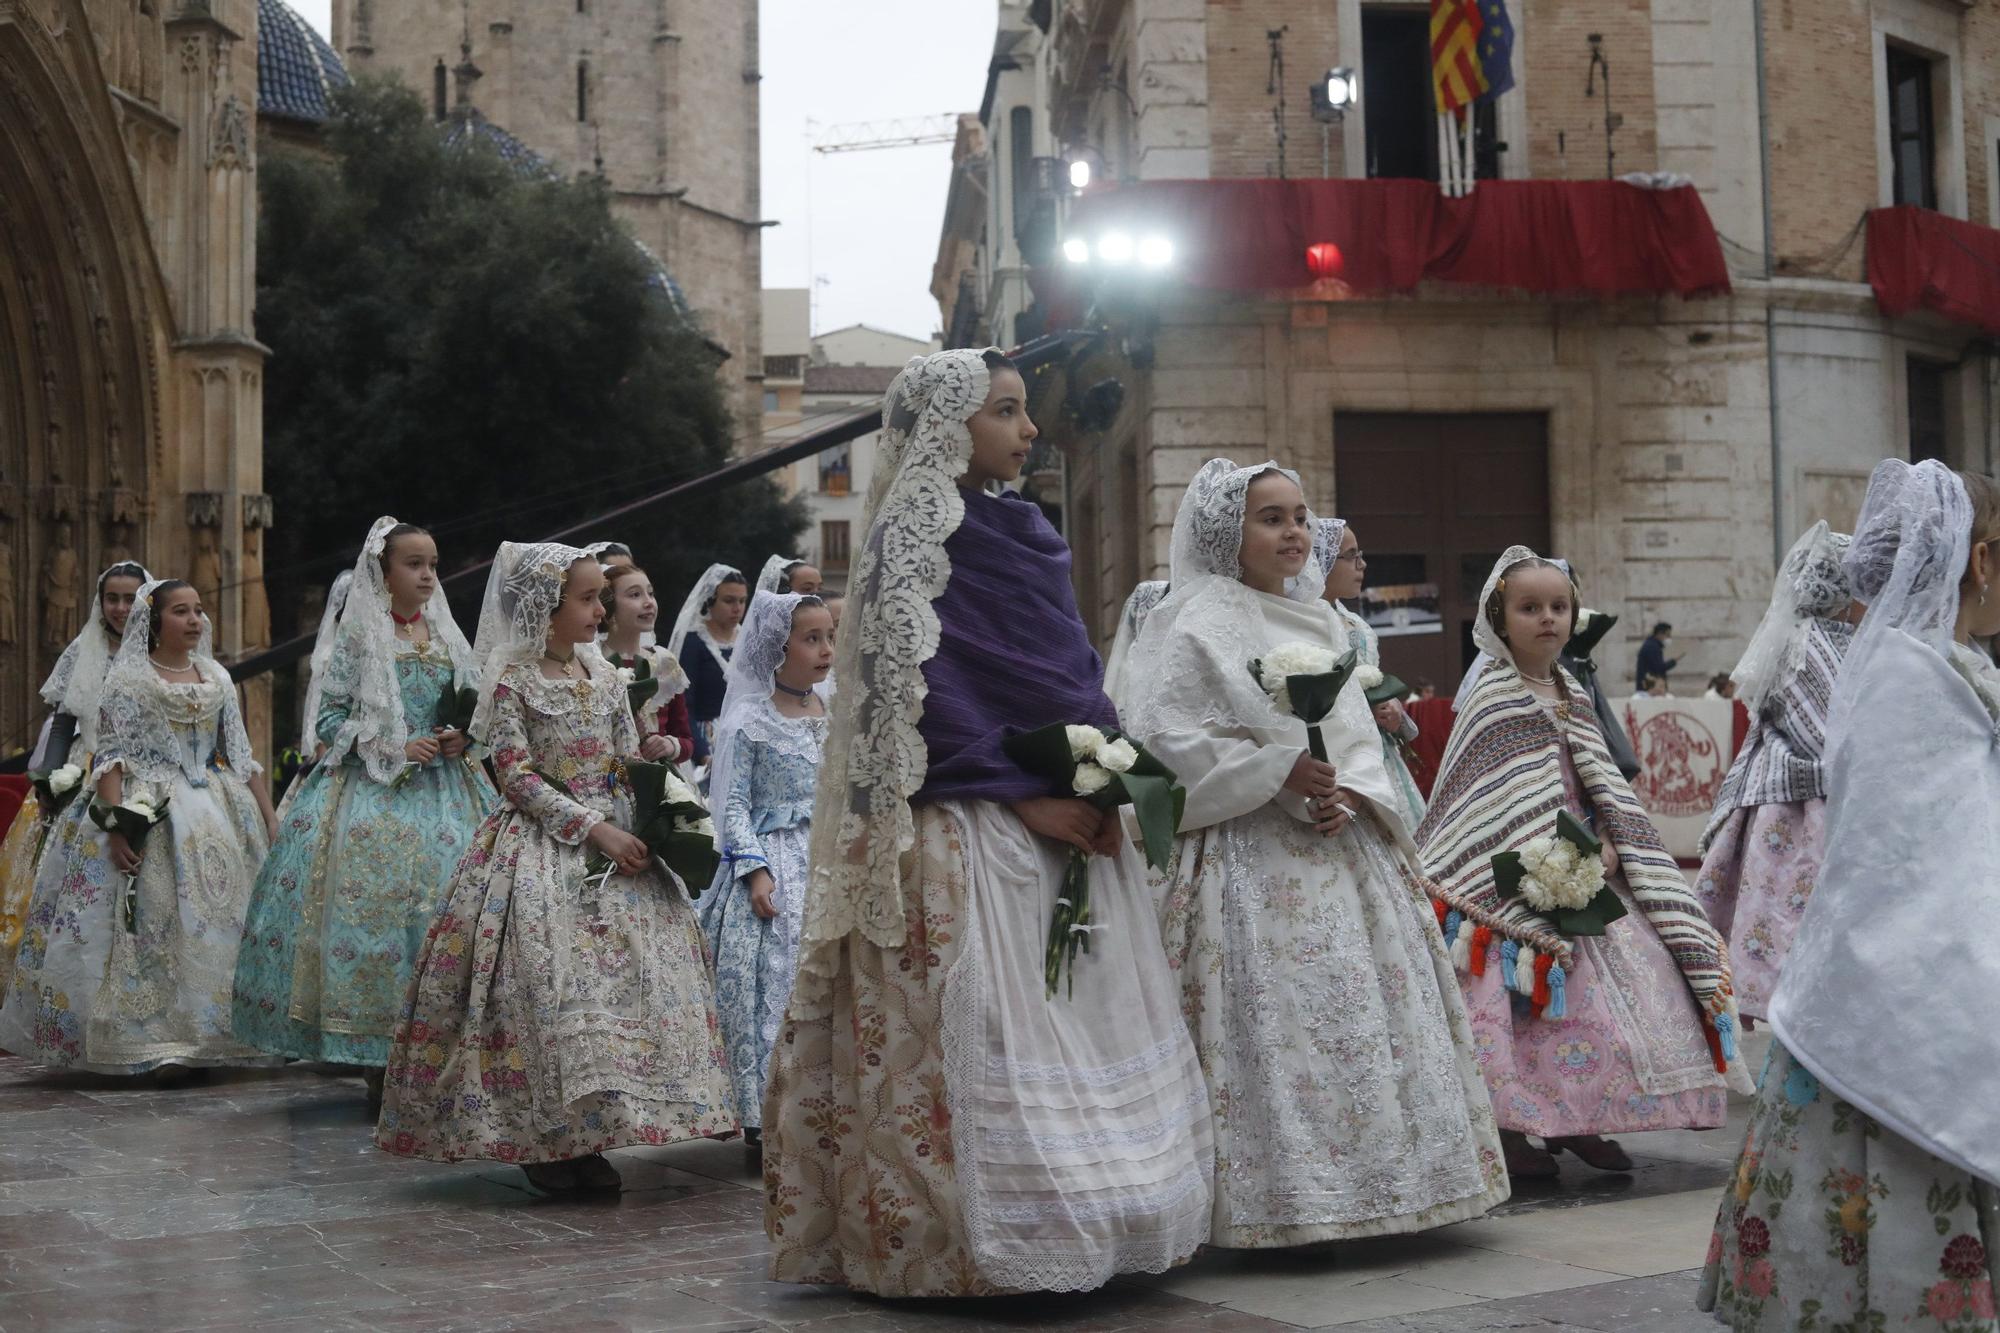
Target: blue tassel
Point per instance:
(1725, 1028)
(1452, 921)
(1509, 951)
(1557, 1007)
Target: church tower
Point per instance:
(658, 95)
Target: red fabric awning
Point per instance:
(1920, 258)
(1602, 238)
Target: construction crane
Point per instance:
(864, 136)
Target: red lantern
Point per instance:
(1325, 260)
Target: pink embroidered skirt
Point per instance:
(1754, 885)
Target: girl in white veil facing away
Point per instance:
(129, 947)
(67, 742)
(703, 637)
(1580, 1034)
(1330, 1029)
(788, 573)
(1130, 621)
(558, 1009)
(1337, 551)
(372, 832)
(1761, 851)
(768, 745)
(937, 1124)
(1865, 1196)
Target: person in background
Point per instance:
(1720, 686)
(666, 729)
(703, 637)
(1421, 690)
(1653, 659)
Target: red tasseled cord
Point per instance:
(1437, 905)
(1541, 996)
(1482, 940)
(1714, 1044)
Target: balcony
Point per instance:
(1919, 258)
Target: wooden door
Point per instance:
(1434, 498)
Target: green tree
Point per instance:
(479, 348)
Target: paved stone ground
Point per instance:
(257, 1200)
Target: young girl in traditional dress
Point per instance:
(557, 1011)
(704, 636)
(376, 827)
(1338, 552)
(1865, 1196)
(1323, 1005)
(118, 975)
(1578, 1036)
(1761, 849)
(937, 1124)
(69, 737)
(768, 744)
(666, 735)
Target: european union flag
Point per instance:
(1496, 48)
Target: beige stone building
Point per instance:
(131, 398)
(658, 95)
(1670, 447)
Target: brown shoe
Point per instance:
(1524, 1160)
(1594, 1150)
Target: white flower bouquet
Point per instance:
(1304, 679)
(1561, 876)
(134, 817)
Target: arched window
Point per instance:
(438, 91)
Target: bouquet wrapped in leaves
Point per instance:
(1380, 687)
(1108, 770)
(133, 817)
(670, 819)
(1303, 680)
(454, 713)
(1561, 876)
(54, 789)
(640, 683)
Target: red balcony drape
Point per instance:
(1921, 259)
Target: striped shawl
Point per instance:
(1501, 784)
(1781, 758)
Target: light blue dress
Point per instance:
(352, 884)
(1368, 649)
(765, 820)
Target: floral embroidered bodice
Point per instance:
(558, 747)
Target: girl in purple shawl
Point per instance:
(935, 1125)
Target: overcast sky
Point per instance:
(867, 223)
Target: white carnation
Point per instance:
(1118, 756)
(1083, 741)
(1091, 779)
(65, 778)
(627, 675)
(143, 810)
(1556, 874)
(678, 791)
(1367, 677)
(1535, 851)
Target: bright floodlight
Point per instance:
(1079, 175)
(1156, 252)
(1076, 250)
(1115, 247)
(1340, 88)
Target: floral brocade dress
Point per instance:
(353, 882)
(766, 824)
(19, 856)
(90, 992)
(554, 1014)
(1629, 1056)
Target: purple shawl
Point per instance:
(1013, 654)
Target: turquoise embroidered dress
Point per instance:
(354, 881)
(765, 819)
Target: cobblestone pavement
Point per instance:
(257, 1200)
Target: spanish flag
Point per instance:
(1472, 52)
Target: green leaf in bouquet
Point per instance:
(690, 855)
(641, 692)
(1391, 688)
(1571, 830)
(1158, 804)
(1589, 633)
(1593, 916)
(1507, 873)
(1043, 752)
(456, 707)
(648, 782)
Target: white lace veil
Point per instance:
(1892, 933)
(77, 681)
(1492, 648)
(522, 593)
(1137, 607)
(1204, 617)
(1810, 584)
(772, 578)
(357, 623)
(747, 710)
(137, 711)
(697, 604)
(875, 755)
(1328, 533)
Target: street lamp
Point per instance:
(1115, 247)
(1079, 174)
(1076, 250)
(1334, 94)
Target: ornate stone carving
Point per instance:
(258, 511)
(229, 144)
(204, 509)
(122, 511)
(62, 593)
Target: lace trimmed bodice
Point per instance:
(559, 746)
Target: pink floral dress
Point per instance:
(1629, 1056)
(554, 1014)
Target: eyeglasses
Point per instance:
(1356, 555)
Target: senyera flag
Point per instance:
(1472, 52)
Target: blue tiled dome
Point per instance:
(296, 69)
(467, 127)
